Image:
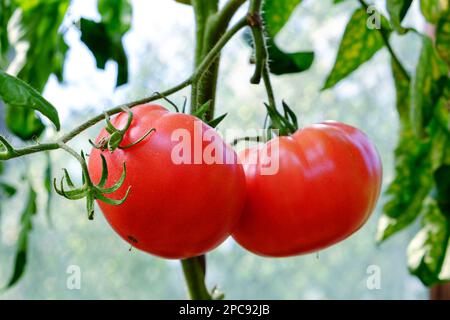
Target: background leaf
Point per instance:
(432, 10)
(33, 62)
(426, 252)
(442, 177)
(20, 260)
(104, 38)
(6, 10)
(7, 190)
(276, 13)
(428, 84)
(116, 15)
(282, 62)
(358, 45)
(17, 94)
(443, 37)
(413, 182)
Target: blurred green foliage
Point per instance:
(419, 177)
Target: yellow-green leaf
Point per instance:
(426, 252)
(358, 45)
(432, 10)
(276, 13)
(443, 37)
(428, 84)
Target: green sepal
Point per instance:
(215, 122)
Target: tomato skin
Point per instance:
(327, 185)
(172, 211)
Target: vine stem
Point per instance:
(385, 35)
(195, 278)
(79, 158)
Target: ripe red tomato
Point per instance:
(173, 210)
(327, 184)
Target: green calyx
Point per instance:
(89, 190)
(113, 141)
(202, 112)
(286, 122)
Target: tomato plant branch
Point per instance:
(260, 46)
(385, 35)
(268, 85)
(227, 12)
(216, 26)
(195, 279)
(74, 154)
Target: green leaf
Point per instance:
(358, 45)
(413, 182)
(428, 84)
(275, 16)
(17, 94)
(443, 38)
(7, 189)
(432, 10)
(104, 48)
(276, 13)
(403, 93)
(104, 38)
(397, 10)
(20, 260)
(188, 2)
(442, 178)
(281, 62)
(24, 123)
(6, 9)
(426, 252)
(442, 110)
(33, 62)
(116, 15)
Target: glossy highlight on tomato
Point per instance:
(173, 210)
(326, 186)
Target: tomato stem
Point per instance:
(194, 274)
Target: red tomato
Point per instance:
(325, 188)
(173, 210)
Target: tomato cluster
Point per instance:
(325, 185)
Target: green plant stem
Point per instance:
(255, 6)
(203, 9)
(268, 85)
(261, 53)
(385, 35)
(79, 158)
(195, 279)
(214, 25)
(259, 41)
